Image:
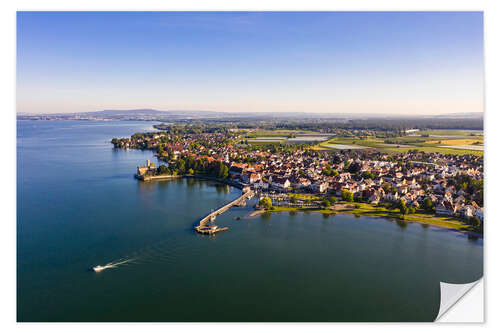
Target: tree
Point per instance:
(224, 172)
(170, 155)
(347, 195)
(181, 166)
(160, 150)
(427, 205)
(219, 170)
(346, 165)
(354, 167)
(475, 221)
(367, 174)
(266, 203)
(328, 171)
(162, 169)
(402, 207)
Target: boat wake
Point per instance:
(100, 268)
(169, 251)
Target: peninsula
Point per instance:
(387, 170)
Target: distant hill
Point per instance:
(147, 112)
(462, 115)
(134, 114)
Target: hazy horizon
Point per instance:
(380, 63)
(257, 112)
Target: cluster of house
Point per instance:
(203, 144)
(389, 181)
(411, 177)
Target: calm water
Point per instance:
(79, 206)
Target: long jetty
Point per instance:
(203, 228)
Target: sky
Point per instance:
(401, 63)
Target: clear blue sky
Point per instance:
(376, 62)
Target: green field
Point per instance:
(406, 143)
(304, 196)
(254, 133)
(450, 132)
(432, 141)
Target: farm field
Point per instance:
(255, 133)
(457, 142)
(449, 144)
(467, 147)
(270, 138)
(343, 147)
(264, 140)
(450, 132)
(308, 138)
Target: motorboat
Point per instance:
(99, 268)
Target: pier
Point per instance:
(204, 228)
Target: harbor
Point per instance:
(204, 226)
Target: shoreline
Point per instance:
(257, 212)
(159, 177)
(168, 177)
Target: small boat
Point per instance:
(99, 268)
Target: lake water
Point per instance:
(79, 206)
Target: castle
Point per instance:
(145, 170)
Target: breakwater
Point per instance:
(204, 228)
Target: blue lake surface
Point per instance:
(80, 206)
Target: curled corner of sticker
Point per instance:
(451, 293)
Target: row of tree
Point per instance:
(188, 165)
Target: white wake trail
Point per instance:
(120, 262)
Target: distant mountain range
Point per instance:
(151, 114)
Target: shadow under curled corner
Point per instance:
(451, 294)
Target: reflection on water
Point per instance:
(221, 188)
(402, 223)
(472, 238)
(266, 215)
(191, 183)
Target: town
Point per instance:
(301, 177)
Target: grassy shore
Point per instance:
(363, 209)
